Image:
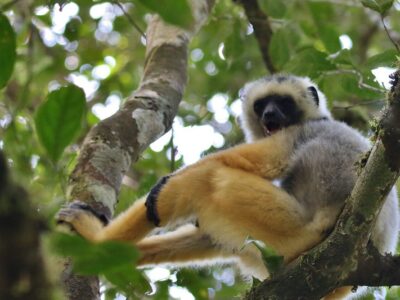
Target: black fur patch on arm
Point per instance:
(151, 201)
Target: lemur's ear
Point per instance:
(314, 93)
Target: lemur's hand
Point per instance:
(151, 200)
(80, 216)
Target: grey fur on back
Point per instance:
(322, 167)
(322, 174)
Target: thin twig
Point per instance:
(365, 103)
(361, 83)
(130, 19)
(388, 34)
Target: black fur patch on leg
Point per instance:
(84, 206)
(151, 201)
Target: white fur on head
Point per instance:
(289, 85)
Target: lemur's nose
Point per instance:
(273, 113)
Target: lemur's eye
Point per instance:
(314, 94)
(258, 106)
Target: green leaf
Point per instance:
(273, 8)
(59, 119)
(7, 50)
(92, 259)
(372, 4)
(279, 48)
(197, 282)
(380, 6)
(111, 294)
(234, 43)
(329, 36)
(127, 278)
(176, 12)
(343, 57)
(72, 29)
(114, 260)
(385, 5)
(283, 44)
(162, 290)
(272, 261)
(384, 59)
(309, 62)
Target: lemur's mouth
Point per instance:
(271, 127)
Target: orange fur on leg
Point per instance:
(131, 225)
(186, 244)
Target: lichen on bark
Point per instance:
(113, 144)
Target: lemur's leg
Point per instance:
(233, 204)
(230, 204)
(131, 225)
(187, 190)
(187, 243)
(138, 220)
(250, 205)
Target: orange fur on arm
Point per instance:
(267, 158)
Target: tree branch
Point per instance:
(375, 269)
(262, 30)
(332, 263)
(113, 144)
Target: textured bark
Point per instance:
(113, 144)
(375, 269)
(340, 259)
(22, 272)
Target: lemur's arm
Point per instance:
(267, 158)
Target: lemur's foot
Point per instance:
(81, 218)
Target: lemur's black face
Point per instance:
(276, 112)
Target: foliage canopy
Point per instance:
(53, 56)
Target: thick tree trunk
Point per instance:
(116, 142)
